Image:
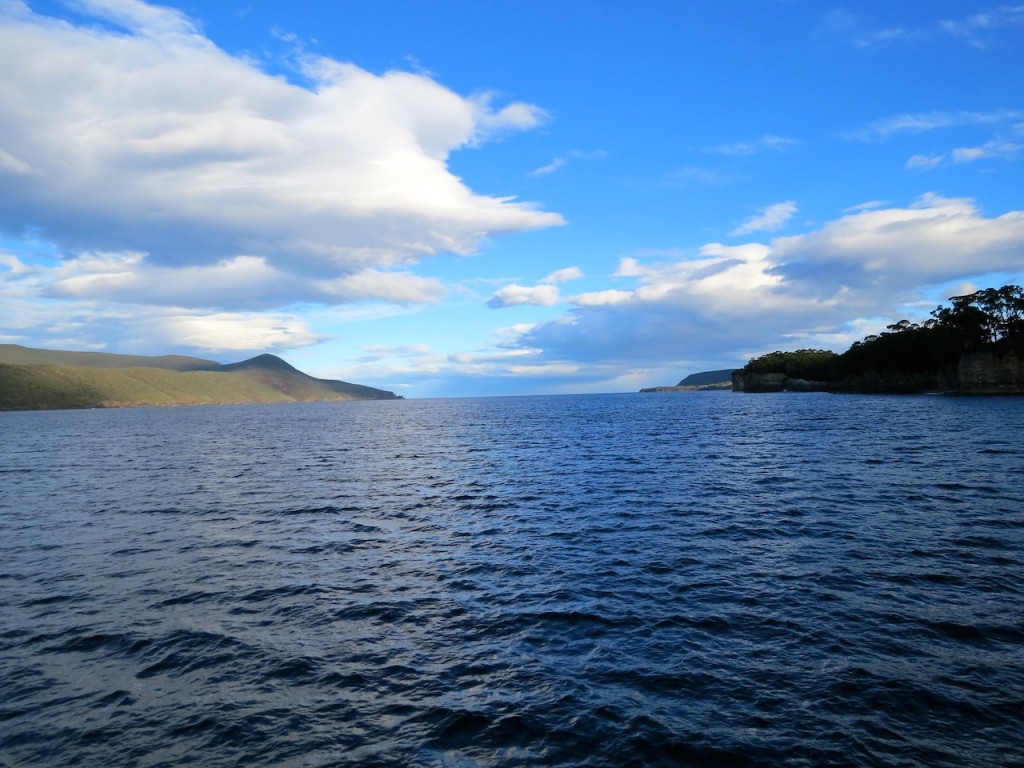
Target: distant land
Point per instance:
(697, 382)
(973, 347)
(43, 379)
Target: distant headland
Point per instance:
(700, 382)
(43, 379)
(974, 346)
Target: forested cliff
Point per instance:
(973, 346)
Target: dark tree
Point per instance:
(991, 319)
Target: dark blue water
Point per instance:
(623, 580)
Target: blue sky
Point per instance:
(482, 198)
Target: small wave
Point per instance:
(582, 582)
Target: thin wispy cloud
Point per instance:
(767, 143)
(979, 30)
(770, 219)
(923, 122)
(846, 27)
(560, 162)
(991, 150)
(554, 165)
(924, 162)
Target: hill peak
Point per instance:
(267, 361)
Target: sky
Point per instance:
(471, 198)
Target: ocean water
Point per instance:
(624, 580)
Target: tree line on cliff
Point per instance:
(989, 320)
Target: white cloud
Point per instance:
(563, 275)
(15, 266)
(86, 324)
(518, 116)
(228, 332)
(10, 164)
(242, 282)
(866, 206)
(934, 240)
(602, 298)
(990, 149)
(924, 162)
(560, 162)
(770, 219)
(514, 295)
(554, 165)
(155, 141)
(1004, 150)
(543, 295)
(507, 336)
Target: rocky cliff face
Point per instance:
(983, 373)
(749, 381)
(991, 373)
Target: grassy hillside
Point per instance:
(100, 382)
(15, 354)
(279, 375)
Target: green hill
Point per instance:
(35, 379)
(15, 354)
(703, 379)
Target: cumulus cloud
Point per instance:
(770, 219)
(545, 294)
(515, 295)
(151, 140)
(934, 240)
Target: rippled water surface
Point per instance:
(620, 580)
